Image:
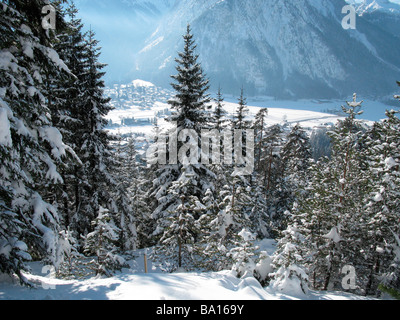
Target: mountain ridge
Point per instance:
(283, 49)
(276, 48)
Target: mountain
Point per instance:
(383, 13)
(370, 6)
(280, 48)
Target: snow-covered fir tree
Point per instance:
(350, 179)
(329, 208)
(219, 117)
(296, 153)
(211, 252)
(102, 244)
(290, 275)
(190, 114)
(32, 149)
(240, 119)
(259, 214)
(296, 158)
(259, 126)
(220, 123)
(96, 182)
(379, 221)
(191, 102)
(65, 105)
(225, 220)
(270, 176)
(243, 254)
(176, 247)
(124, 198)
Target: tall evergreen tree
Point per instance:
(240, 120)
(61, 93)
(189, 176)
(379, 221)
(259, 126)
(271, 176)
(31, 148)
(96, 182)
(328, 214)
(219, 121)
(126, 192)
(191, 101)
(297, 159)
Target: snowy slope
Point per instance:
(134, 284)
(369, 6)
(382, 13)
(128, 286)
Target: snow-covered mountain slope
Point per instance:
(281, 48)
(369, 6)
(382, 13)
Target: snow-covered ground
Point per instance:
(307, 119)
(134, 284)
(156, 286)
(142, 102)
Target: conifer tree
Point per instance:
(102, 243)
(125, 194)
(67, 111)
(290, 275)
(271, 176)
(211, 252)
(96, 182)
(328, 214)
(176, 246)
(219, 121)
(60, 88)
(259, 127)
(296, 158)
(243, 254)
(31, 148)
(191, 115)
(240, 121)
(221, 241)
(259, 214)
(191, 102)
(379, 221)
